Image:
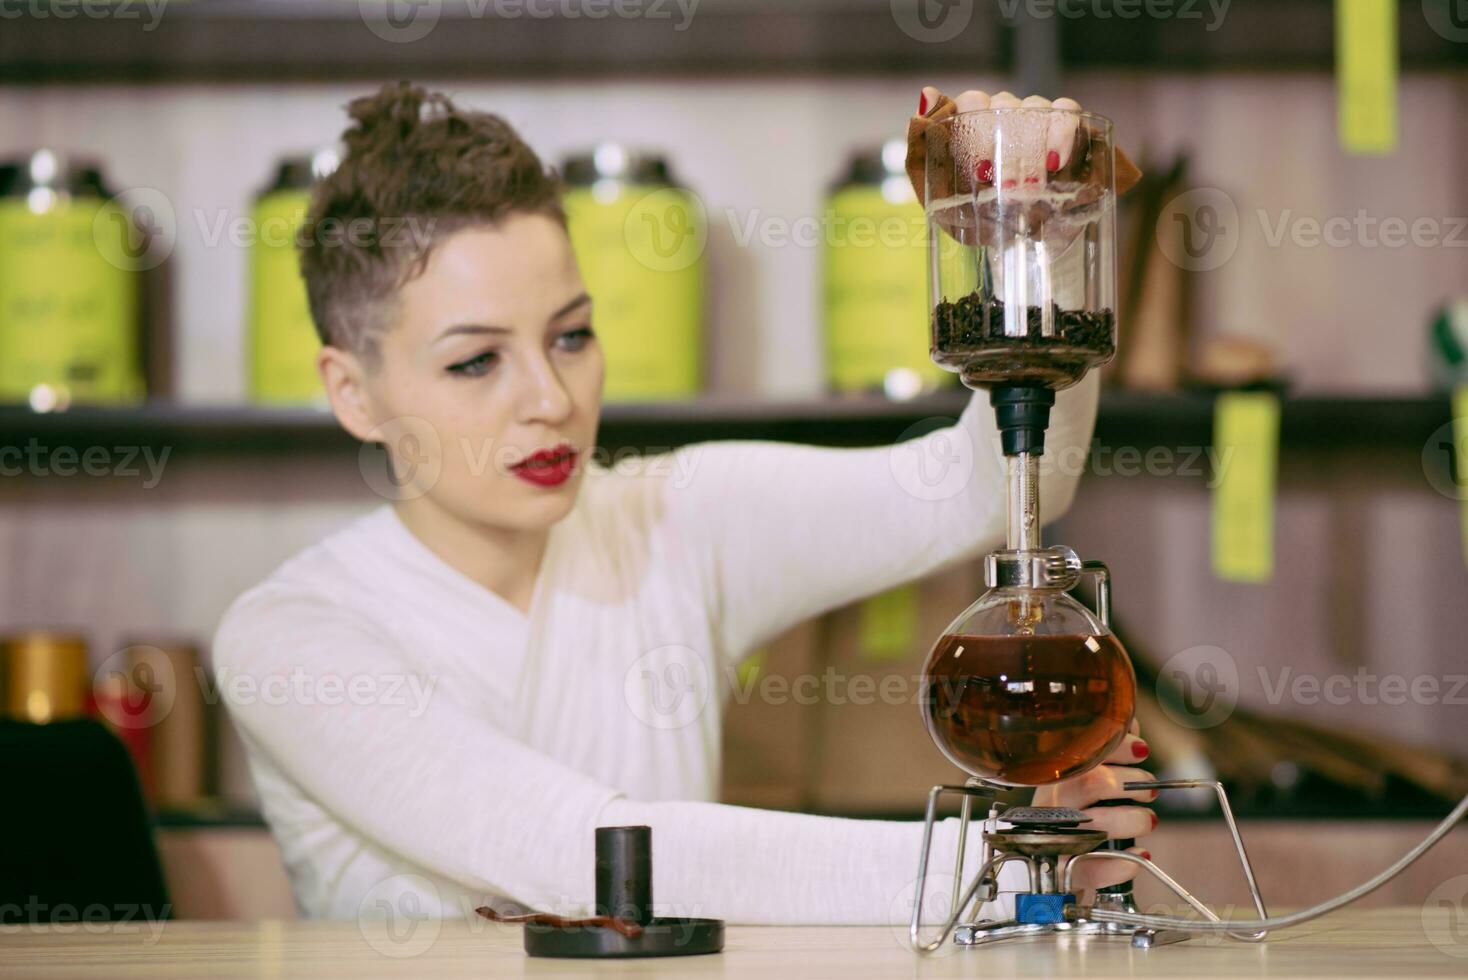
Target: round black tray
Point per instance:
(660, 937)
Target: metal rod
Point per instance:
(1157, 873)
(915, 926)
(964, 809)
(988, 872)
(1233, 829)
(1305, 915)
(1024, 501)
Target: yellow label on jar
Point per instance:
(283, 339)
(68, 315)
(889, 623)
(875, 291)
(640, 250)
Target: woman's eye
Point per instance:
(574, 340)
(475, 366)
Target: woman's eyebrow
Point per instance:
(470, 328)
(578, 301)
(483, 328)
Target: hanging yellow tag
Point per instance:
(1366, 54)
(1246, 445)
(749, 669)
(1460, 460)
(889, 624)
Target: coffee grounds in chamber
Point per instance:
(973, 322)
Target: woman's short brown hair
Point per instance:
(416, 169)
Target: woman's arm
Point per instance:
(450, 792)
(786, 532)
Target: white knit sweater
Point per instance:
(415, 737)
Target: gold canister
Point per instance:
(46, 676)
(283, 338)
(164, 683)
(639, 240)
(69, 286)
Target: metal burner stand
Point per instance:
(1050, 842)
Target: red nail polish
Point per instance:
(923, 104)
(1052, 161)
(1154, 821)
(1147, 855)
(985, 171)
(1141, 750)
(1032, 180)
(1011, 182)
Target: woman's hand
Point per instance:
(1105, 783)
(1060, 137)
(1063, 140)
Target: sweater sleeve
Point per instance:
(787, 532)
(767, 867)
(449, 791)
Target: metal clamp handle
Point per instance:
(1103, 588)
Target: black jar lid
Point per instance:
(614, 161)
(51, 169)
(299, 172)
(871, 165)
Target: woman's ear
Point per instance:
(344, 376)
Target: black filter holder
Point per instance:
(624, 890)
(1118, 844)
(1022, 413)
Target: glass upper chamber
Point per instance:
(1027, 686)
(1021, 245)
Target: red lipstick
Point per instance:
(547, 467)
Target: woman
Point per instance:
(523, 645)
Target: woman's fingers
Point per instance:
(972, 100)
(1130, 751)
(1121, 821)
(1061, 141)
(1104, 783)
(981, 137)
(1101, 873)
(1059, 132)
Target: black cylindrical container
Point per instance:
(624, 872)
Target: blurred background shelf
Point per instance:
(285, 40)
(1126, 418)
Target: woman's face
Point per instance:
(491, 361)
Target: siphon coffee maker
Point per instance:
(1028, 686)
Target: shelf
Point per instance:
(272, 41)
(210, 815)
(1126, 419)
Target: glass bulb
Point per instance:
(1026, 687)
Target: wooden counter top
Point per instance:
(1398, 942)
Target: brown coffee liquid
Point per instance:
(1027, 710)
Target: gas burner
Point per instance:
(1045, 842)
(1044, 816)
(1050, 842)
